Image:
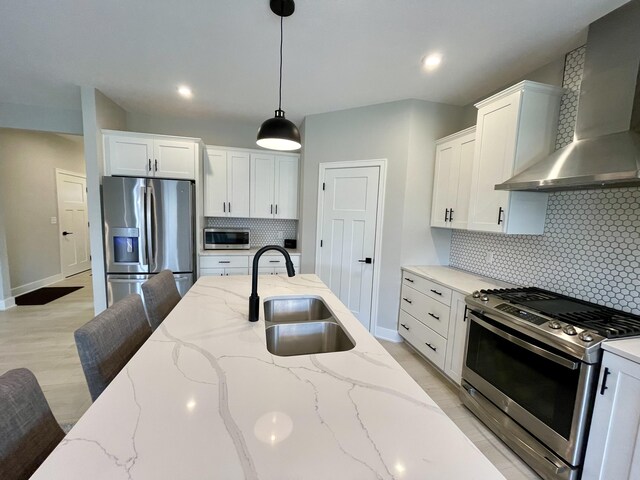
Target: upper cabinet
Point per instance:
(515, 128)
(452, 179)
(143, 155)
(226, 183)
(274, 186)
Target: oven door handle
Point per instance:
(526, 345)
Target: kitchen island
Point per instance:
(203, 398)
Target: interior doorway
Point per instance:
(350, 207)
(73, 222)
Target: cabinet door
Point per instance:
(236, 271)
(493, 164)
(286, 187)
(445, 155)
(238, 184)
(613, 449)
(209, 272)
(460, 185)
(456, 338)
(129, 155)
(262, 186)
(215, 183)
(175, 159)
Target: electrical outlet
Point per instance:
(280, 235)
(54, 220)
(489, 258)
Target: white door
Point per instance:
(286, 187)
(348, 235)
(238, 184)
(73, 223)
(215, 184)
(129, 155)
(262, 186)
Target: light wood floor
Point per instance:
(41, 338)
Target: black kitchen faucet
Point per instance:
(254, 299)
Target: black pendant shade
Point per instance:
(278, 133)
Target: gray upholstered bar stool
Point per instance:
(107, 343)
(28, 430)
(160, 296)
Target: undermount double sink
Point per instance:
(303, 326)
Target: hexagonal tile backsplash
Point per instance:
(591, 246)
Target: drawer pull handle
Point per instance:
(274, 261)
(404, 326)
(407, 300)
(224, 261)
(408, 279)
(434, 316)
(436, 292)
(431, 347)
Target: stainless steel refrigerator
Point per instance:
(148, 227)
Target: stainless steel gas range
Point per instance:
(530, 371)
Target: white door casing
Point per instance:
(73, 222)
(349, 224)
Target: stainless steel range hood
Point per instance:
(606, 147)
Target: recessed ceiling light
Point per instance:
(431, 61)
(185, 91)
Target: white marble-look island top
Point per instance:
(204, 399)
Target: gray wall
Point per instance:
(6, 299)
(46, 119)
(226, 132)
(404, 133)
(98, 112)
(28, 189)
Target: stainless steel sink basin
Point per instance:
(295, 309)
(288, 339)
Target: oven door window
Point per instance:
(541, 386)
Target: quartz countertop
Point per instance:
(628, 348)
(250, 251)
(459, 280)
(204, 398)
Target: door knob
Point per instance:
(64, 234)
(366, 260)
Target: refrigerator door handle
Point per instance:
(144, 255)
(150, 230)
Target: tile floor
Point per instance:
(41, 338)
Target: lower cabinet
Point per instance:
(432, 319)
(613, 449)
(223, 272)
(224, 265)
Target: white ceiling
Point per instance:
(337, 53)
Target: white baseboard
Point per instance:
(7, 303)
(29, 287)
(388, 334)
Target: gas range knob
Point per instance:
(569, 330)
(476, 294)
(586, 336)
(555, 325)
(484, 298)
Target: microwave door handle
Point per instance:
(526, 345)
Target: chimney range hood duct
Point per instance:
(606, 147)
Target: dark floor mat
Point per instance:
(44, 295)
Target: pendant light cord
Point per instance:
(280, 89)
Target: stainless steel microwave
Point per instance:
(226, 238)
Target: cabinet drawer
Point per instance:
(432, 289)
(208, 272)
(276, 261)
(224, 261)
(432, 313)
(425, 340)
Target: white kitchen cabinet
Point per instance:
(223, 272)
(224, 264)
(452, 179)
(143, 155)
(456, 338)
(226, 183)
(515, 128)
(274, 186)
(613, 448)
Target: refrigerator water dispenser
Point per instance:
(125, 245)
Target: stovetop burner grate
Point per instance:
(608, 322)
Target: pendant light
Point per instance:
(278, 133)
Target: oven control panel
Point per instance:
(523, 314)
